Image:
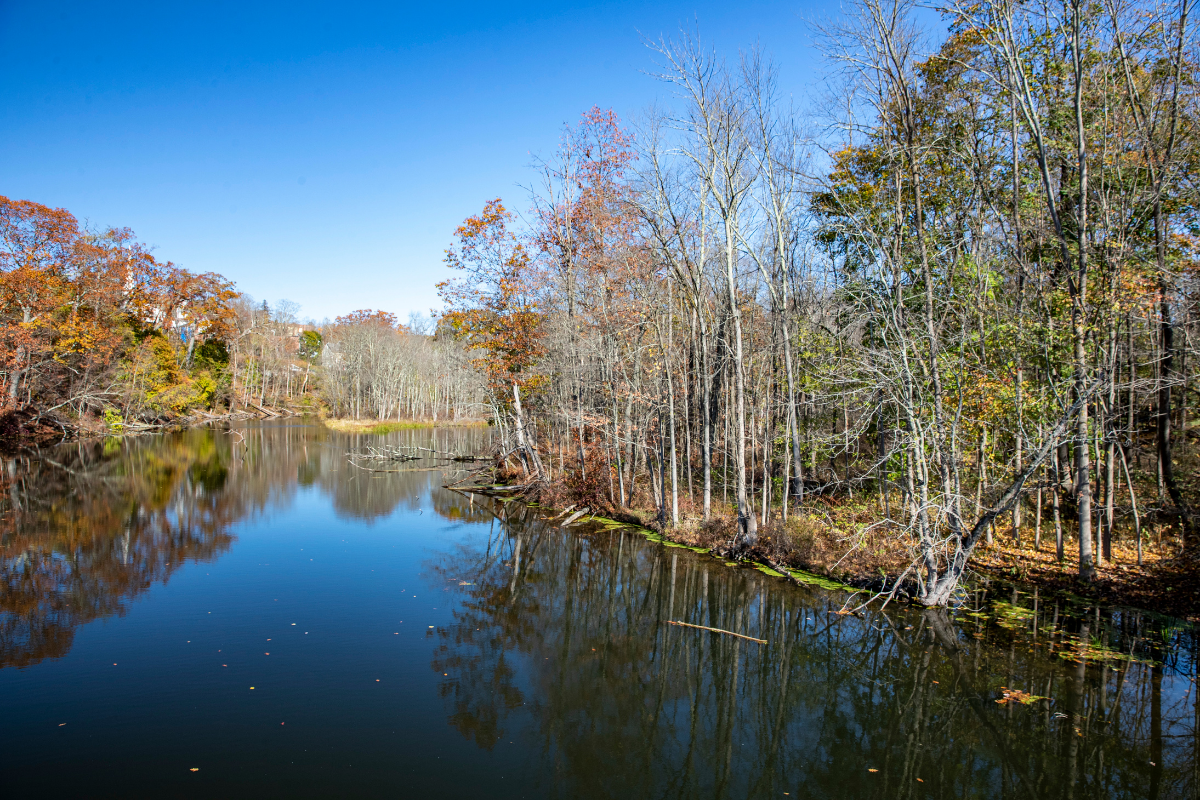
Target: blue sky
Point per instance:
(324, 153)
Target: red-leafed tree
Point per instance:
(492, 305)
(37, 244)
(77, 306)
(368, 316)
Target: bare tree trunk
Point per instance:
(671, 416)
(1167, 366)
(1083, 481)
(1055, 498)
(520, 423)
(747, 524)
(14, 378)
(1110, 446)
(707, 421)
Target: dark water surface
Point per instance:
(403, 640)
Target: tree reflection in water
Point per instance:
(87, 527)
(561, 636)
(565, 633)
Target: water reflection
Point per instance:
(86, 528)
(567, 632)
(559, 661)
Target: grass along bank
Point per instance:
(380, 427)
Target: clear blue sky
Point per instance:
(324, 153)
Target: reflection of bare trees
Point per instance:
(372, 491)
(86, 527)
(567, 631)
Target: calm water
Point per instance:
(247, 614)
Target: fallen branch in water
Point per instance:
(412, 453)
(574, 517)
(413, 469)
(716, 630)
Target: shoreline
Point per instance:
(1167, 584)
(390, 426)
(22, 427)
(602, 523)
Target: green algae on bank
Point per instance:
(813, 579)
(608, 524)
(1071, 647)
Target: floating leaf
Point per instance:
(1017, 696)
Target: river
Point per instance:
(251, 613)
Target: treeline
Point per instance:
(380, 368)
(93, 326)
(96, 334)
(969, 295)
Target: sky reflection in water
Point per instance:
(403, 640)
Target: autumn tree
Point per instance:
(77, 307)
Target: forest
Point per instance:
(98, 336)
(950, 306)
(942, 316)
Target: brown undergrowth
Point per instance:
(846, 541)
(1168, 581)
(842, 542)
(26, 427)
(20, 425)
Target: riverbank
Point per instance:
(1167, 582)
(29, 427)
(839, 543)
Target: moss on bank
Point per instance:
(670, 538)
(837, 543)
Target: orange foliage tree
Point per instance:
(74, 302)
(368, 316)
(493, 306)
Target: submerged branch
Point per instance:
(716, 630)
